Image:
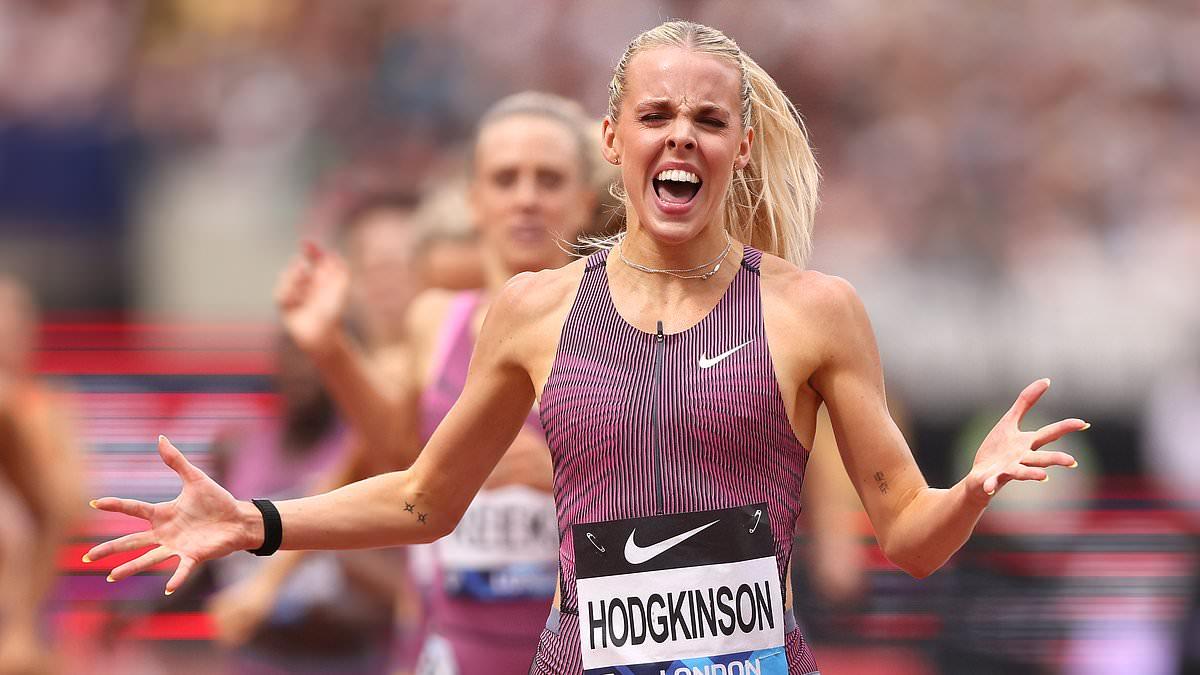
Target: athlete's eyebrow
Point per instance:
(663, 103)
(712, 109)
(653, 104)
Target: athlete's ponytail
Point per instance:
(772, 202)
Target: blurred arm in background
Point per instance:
(373, 284)
(376, 388)
(41, 485)
(837, 567)
(330, 607)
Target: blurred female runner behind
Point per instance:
(530, 196)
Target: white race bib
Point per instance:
(505, 547)
(679, 594)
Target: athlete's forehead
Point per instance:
(684, 78)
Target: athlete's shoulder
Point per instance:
(805, 291)
(532, 296)
(823, 309)
(528, 311)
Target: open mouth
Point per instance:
(676, 186)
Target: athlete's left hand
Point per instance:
(1011, 454)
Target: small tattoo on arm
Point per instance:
(881, 482)
(410, 507)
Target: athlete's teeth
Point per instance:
(678, 175)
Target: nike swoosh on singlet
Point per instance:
(636, 555)
(709, 363)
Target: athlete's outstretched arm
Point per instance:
(413, 506)
(918, 527)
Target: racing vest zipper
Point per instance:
(660, 347)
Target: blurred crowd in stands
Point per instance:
(1027, 165)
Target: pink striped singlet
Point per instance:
(494, 576)
(677, 481)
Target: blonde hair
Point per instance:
(772, 202)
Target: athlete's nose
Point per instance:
(681, 142)
(681, 137)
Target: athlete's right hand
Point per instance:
(312, 295)
(202, 523)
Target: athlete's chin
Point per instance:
(674, 229)
(673, 232)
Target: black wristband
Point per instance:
(272, 527)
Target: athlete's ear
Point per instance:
(743, 156)
(609, 145)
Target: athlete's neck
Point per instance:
(643, 248)
(639, 247)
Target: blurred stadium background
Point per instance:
(1014, 189)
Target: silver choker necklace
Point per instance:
(688, 273)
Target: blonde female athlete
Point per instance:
(679, 376)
